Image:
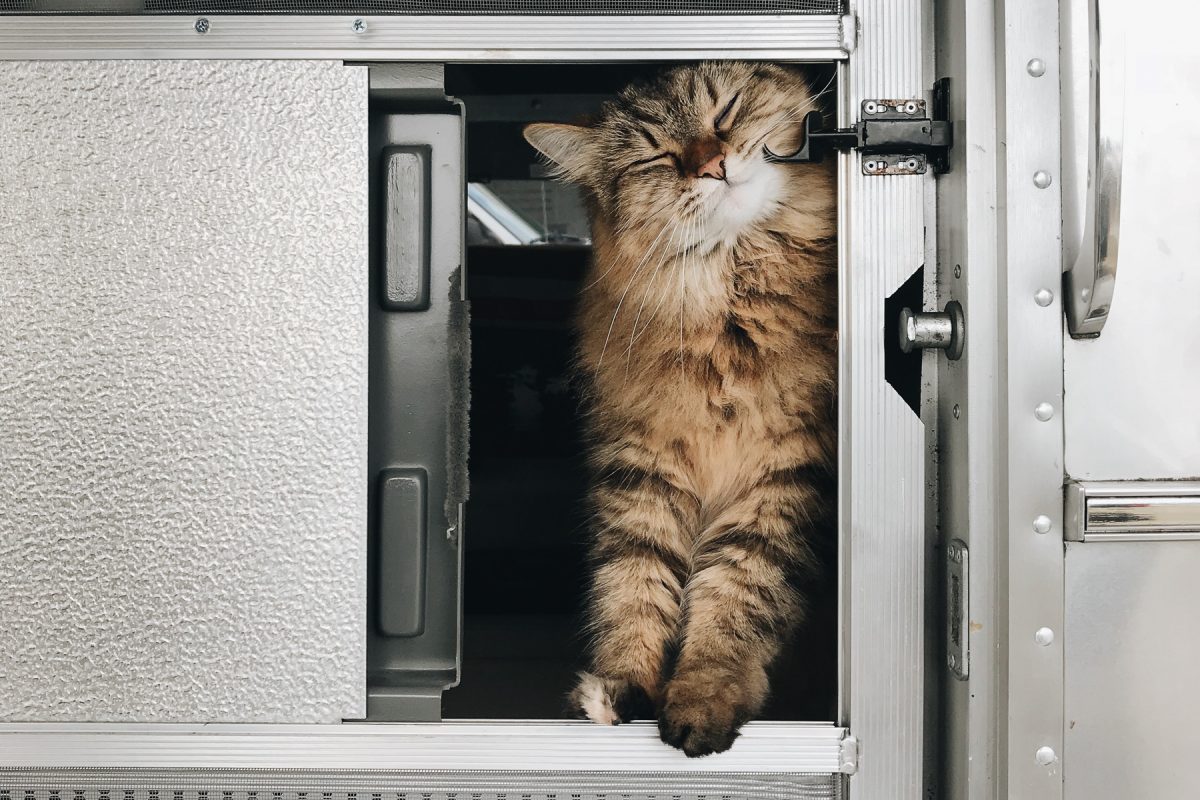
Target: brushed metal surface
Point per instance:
(1132, 393)
(1131, 689)
(410, 785)
(429, 38)
(882, 443)
(479, 746)
(183, 364)
(968, 441)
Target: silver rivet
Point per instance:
(1036, 67)
(1041, 179)
(955, 411)
(1044, 411)
(1044, 636)
(958, 270)
(202, 25)
(1041, 523)
(1045, 756)
(1043, 297)
(360, 26)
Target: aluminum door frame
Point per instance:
(884, 221)
(882, 443)
(461, 38)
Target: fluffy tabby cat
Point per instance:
(708, 351)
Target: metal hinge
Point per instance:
(848, 755)
(958, 655)
(897, 136)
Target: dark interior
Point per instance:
(526, 538)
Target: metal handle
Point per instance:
(1090, 250)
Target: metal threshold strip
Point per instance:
(1133, 511)
(459, 38)
(477, 746)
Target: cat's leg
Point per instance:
(739, 605)
(644, 527)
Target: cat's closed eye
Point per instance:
(720, 123)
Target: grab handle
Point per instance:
(1090, 251)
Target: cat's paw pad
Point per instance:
(701, 714)
(610, 701)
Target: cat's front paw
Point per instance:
(610, 701)
(703, 711)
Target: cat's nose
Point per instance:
(713, 168)
(705, 158)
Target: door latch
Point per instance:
(946, 330)
(896, 137)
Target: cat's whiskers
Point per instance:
(666, 253)
(682, 265)
(629, 285)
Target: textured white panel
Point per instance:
(183, 254)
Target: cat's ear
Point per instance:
(569, 148)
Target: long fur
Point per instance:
(707, 345)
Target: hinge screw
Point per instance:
(958, 270)
(202, 25)
(1044, 637)
(1045, 756)
(1036, 67)
(360, 26)
(1044, 412)
(1041, 179)
(955, 411)
(1043, 297)
(1041, 524)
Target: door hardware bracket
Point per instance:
(896, 137)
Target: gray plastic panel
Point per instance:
(183, 367)
(418, 422)
(405, 229)
(403, 526)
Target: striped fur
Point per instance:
(707, 344)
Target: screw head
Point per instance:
(360, 26)
(1036, 67)
(1041, 179)
(952, 661)
(1045, 756)
(1044, 411)
(1044, 636)
(202, 25)
(958, 270)
(1041, 524)
(1043, 297)
(955, 411)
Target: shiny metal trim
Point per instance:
(1030, 445)
(1133, 511)
(762, 747)
(1091, 265)
(775, 37)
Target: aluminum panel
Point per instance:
(412, 785)
(1131, 689)
(183, 366)
(575, 746)
(882, 443)
(486, 38)
(1132, 393)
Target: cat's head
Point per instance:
(686, 150)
